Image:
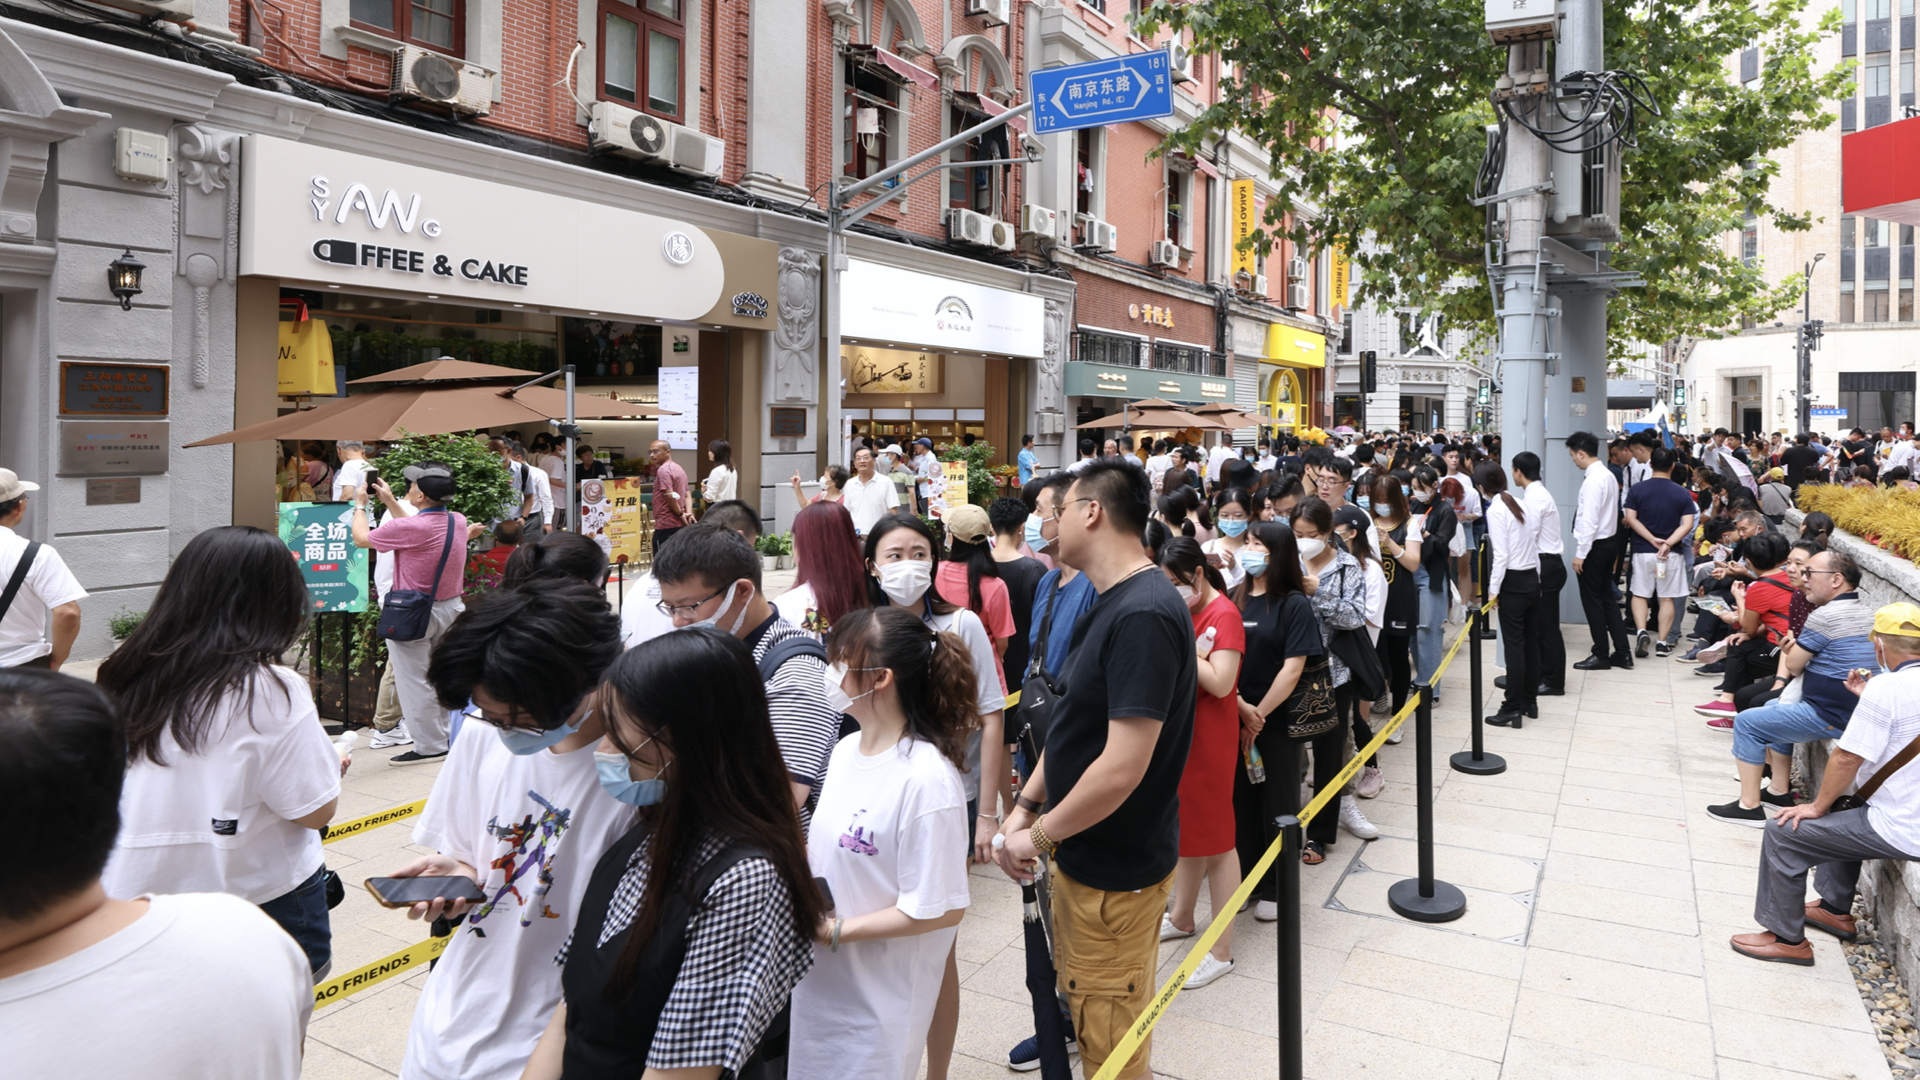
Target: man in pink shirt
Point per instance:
(431, 544)
(672, 511)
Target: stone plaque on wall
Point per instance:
(99, 448)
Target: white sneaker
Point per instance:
(1210, 969)
(1355, 822)
(1383, 707)
(1371, 782)
(1266, 911)
(1170, 932)
(1398, 734)
(397, 737)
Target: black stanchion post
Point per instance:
(1287, 871)
(1477, 761)
(346, 669)
(1423, 899)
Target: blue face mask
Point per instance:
(615, 781)
(1033, 537)
(1233, 526)
(1364, 503)
(1253, 562)
(523, 743)
(1281, 519)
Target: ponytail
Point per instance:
(932, 669)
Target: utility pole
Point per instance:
(1805, 342)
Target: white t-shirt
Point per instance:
(868, 500)
(1376, 599)
(1217, 459)
(1886, 719)
(201, 987)
(542, 496)
(640, 616)
(350, 474)
(23, 633)
(986, 677)
(893, 833)
(1463, 536)
(797, 606)
(1157, 467)
(555, 467)
(1232, 571)
(720, 484)
(534, 827)
(221, 820)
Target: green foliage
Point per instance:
(481, 486)
(1401, 87)
(123, 623)
(979, 473)
(775, 544)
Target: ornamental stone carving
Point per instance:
(1389, 374)
(1050, 387)
(796, 336)
(207, 199)
(32, 118)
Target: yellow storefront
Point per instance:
(1292, 376)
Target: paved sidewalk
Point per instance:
(1601, 896)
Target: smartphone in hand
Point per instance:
(392, 892)
(826, 891)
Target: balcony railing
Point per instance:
(1122, 351)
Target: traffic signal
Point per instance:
(1811, 332)
(1679, 394)
(1486, 393)
(1369, 372)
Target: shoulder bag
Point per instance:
(1859, 798)
(1309, 710)
(1355, 649)
(406, 613)
(19, 577)
(1039, 692)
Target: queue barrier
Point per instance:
(405, 962)
(1290, 832)
(373, 821)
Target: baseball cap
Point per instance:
(923, 441)
(968, 522)
(1776, 473)
(1352, 517)
(434, 479)
(892, 448)
(12, 487)
(1900, 620)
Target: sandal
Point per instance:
(1313, 854)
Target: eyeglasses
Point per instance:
(670, 610)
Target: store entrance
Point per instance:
(1419, 412)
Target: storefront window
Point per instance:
(372, 335)
(1346, 410)
(1877, 399)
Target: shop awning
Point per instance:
(899, 65)
(1290, 346)
(994, 108)
(1880, 172)
(1201, 164)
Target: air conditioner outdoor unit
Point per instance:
(628, 132)
(1165, 253)
(696, 153)
(969, 227)
(1039, 221)
(1003, 235)
(1259, 284)
(997, 12)
(1180, 62)
(420, 75)
(1102, 236)
(1299, 297)
(1296, 269)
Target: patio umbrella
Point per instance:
(1344, 429)
(1228, 415)
(446, 369)
(1155, 415)
(426, 409)
(1049, 1027)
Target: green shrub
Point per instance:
(481, 487)
(123, 623)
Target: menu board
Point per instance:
(680, 393)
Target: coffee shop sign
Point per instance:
(359, 198)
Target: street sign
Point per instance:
(1828, 413)
(1134, 87)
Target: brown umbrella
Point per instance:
(1155, 415)
(1231, 416)
(446, 369)
(427, 409)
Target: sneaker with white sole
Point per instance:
(1266, 911)
(415, 757)
(1370, 783)
(1170, 932)
(1210, 969)
(1355, 822)
(1398, 734)
(1383, 707)
(1025, 1056)
(397, 737)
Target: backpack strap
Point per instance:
(786, 649)
(19, 577)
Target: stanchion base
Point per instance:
(1445, 905)
(1488, 764)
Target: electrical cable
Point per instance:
(1612, 102)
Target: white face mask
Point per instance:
(837, 698)
(714, 619)
(906, 582)
(826, 482)
(1310, 549)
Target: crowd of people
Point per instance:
(720, 832)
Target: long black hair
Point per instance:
(878, 596)
(932, 669)
(231, 604)
(697, 693)
(555, 555)
(1183, 556)
(1283, 575)
(979, 561)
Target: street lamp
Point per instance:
(1808, 340)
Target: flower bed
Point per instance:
(1887, 518)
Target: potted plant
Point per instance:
(123, 623)
(776, 550)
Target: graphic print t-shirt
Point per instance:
(532, 826)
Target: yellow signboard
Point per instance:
(610, 513)
(306, 359)
(955, 473)
(1294, 347)
(1246, 219)
(1342, 274)
(892, 371)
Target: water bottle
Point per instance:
(343, 744)
(1204, 645)
(1256, 766)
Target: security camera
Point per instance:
(1034, 148)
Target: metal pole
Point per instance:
(573, 489)
(1287, 931)
(1477, 761)
(1423, 899)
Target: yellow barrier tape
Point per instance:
(373, 821)
(1156, 1008)
(405, 962)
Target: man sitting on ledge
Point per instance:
(1882, 736)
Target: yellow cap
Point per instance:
(1776, 473)
(1902, 620)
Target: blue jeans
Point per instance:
(1429, 641)
(302, 913)
(1776, 726)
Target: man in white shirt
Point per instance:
(1814, 834)
(45, 588)
(1639, 464)
(929, 479)
(351, 476)
(540, 514)
(1265, 462)
(1087, 449)
(1158, 463)
(1547, 650)
(1904, 454)
(84, 979)
(1596, 549)
(1217, 459)
(521, 503)
(868, 496)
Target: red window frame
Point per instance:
(644, 20)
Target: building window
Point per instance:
(1346, 332)
(1876, 399)
(432, 24)
(1846, 301)
(873, 119)
(1905, 314)
(1346, 410)
(640, 50)
(1878, 9)
(1874, 308)
(1846, 233)
(1877, 76)
(1179, 197)
(1750, 240)
(976, 189)
(1875, 233)
(1086, 173)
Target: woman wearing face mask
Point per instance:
(891, 812)
(831, 483)
(1232, 513)
(1515, 581)
(699, 922)
(1206, 785)
(1393, 522)
(830, 579)
(900, 556)
(1430, 533)
(1357, 536)
(1338, 585)
(1467, 510)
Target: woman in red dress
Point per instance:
(1206, 787)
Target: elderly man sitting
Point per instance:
(1881, 738)
(1834, 641)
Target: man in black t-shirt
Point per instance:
(1022, 575)
(1800, 460)
(1110, 775)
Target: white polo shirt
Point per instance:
(23, 633)
(868, 500)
